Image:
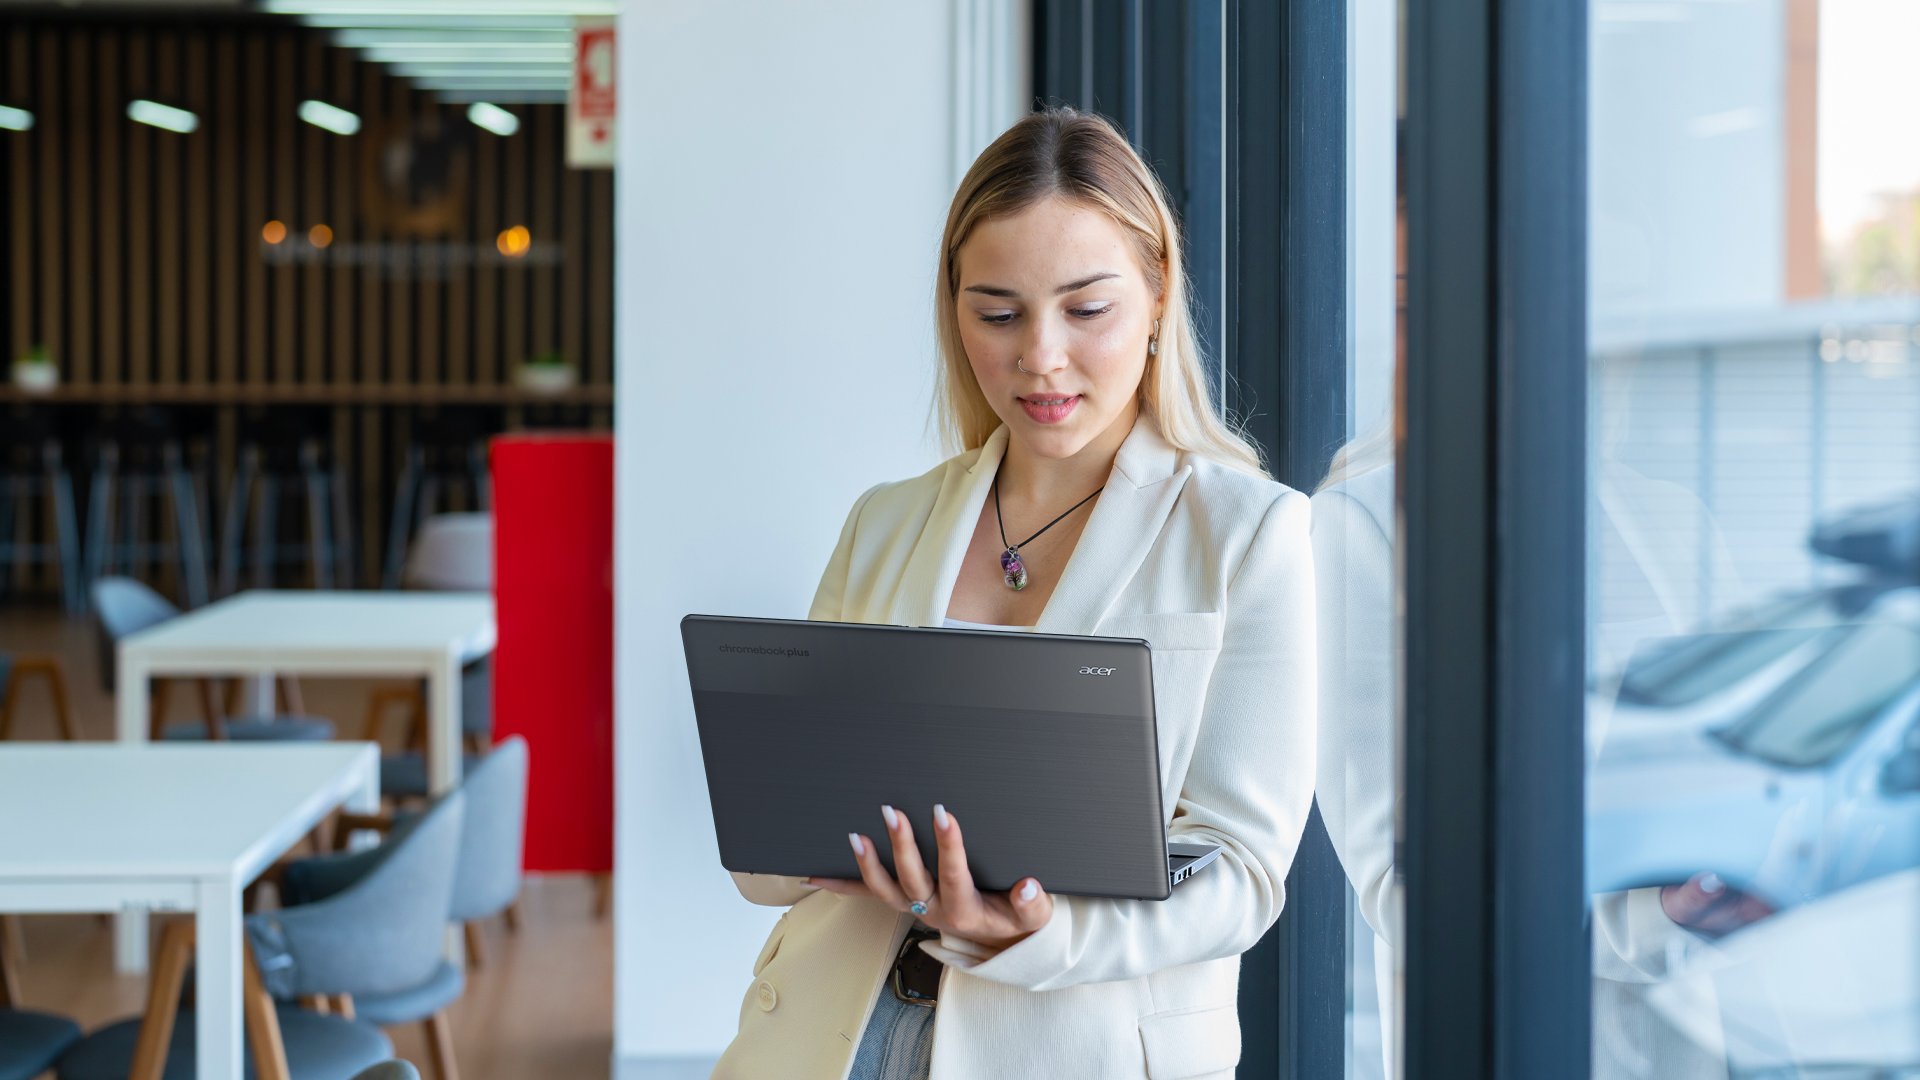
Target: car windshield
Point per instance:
(1820, 712)
(1698, 666)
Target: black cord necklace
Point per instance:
(1011, 567)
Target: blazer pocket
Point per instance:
(1168, 631)
(1193, 1042)
(771, 948)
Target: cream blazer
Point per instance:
(1213, 567)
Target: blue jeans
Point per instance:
(898, 1042)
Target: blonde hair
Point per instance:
(1082, 158)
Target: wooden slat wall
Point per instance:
(136, 255)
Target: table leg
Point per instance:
(443, 724)
(130, 722)
(260, 693)
(444, 747)
(217, 1002)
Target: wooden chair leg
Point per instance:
(163, 1002)
(380, 700)
(9, 982)
(440, 1047)
(8, 700)
(230, 705)
(343, 1004)
(288, 696)
(263, 1025)
(317, 1003)
(476, 948)
(602, 895)
(62, 704)
(157, 709)
(209, 708)
(513, 917)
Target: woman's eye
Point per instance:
(996, 320)
(1092, 313)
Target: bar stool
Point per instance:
(448, 449)
(140, 461)
(282, 464)
(33, 468)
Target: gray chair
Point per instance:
(390, 1070)
(486, 883)
(30, 1042)
(124, 606)
(375, 925)
(453, 552)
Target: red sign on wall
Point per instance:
(592, 100)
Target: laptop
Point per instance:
(1043, 746)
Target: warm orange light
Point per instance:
(319, 236)
(274, 232)
(514, 242)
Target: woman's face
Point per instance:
(1057, 289)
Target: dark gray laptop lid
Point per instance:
(1043, 746)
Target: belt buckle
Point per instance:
(909, 951)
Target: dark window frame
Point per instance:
(1493, 496)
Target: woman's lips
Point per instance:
(1049, 408)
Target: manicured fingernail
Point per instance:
(1711, 884)
(893, 819)
(854, 839)
(1030, 890)
(940, 817)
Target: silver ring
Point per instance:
(919, 907)
(1018, 362)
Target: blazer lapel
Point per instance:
(1125, 521)
(927, 582)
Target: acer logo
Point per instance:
(1098, 670)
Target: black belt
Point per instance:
(915, 975)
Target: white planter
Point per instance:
(35, 378)
(546, 378)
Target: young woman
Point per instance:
(1097, 491)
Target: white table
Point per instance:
(266, 633)
(99, 827)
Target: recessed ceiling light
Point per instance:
(14, 119)
(493, 118)
(331, 117)
(162, 116)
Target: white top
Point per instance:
(333, 627)
(111, 811)
(962, 624)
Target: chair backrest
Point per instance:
(494, 837)
(379, 935)
(124, 606)
(453, 552)
(389, 1070)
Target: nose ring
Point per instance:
(1017, 362)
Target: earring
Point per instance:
(1153, 340)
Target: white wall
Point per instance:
(785, 171)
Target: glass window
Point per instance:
(1753, 267)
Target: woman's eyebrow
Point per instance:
(1071, 286)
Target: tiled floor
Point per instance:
(540, 1006)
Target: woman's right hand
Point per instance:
(955, 906)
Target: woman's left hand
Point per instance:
(953, 905)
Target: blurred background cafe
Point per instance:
(305, 537)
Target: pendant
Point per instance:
(1014, 570)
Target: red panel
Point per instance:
(553, 670)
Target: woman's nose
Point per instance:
(1046, 350)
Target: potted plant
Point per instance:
(546, 373)
(35, 372)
